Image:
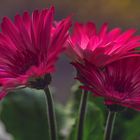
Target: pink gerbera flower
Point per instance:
(118, 83)
(29, 47)
(100, 48)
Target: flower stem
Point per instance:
(109, 125)
(51, 114)
(82, 113)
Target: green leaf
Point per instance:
(132, 129)
(93, 123)
(25, 117)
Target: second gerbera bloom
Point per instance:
(103, 47)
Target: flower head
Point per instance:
(100, 48)
(118, 83)
(29, 47)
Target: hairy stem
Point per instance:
(51, 114)
(82, 114)
(109, 125)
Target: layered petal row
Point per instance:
(103, 47)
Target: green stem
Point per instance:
(51, 114)
(109, 125)
(82, 113)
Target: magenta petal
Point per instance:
(118, 83)
(2, 95)
(29, 47)
(101, 48)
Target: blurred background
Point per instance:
(122, 13)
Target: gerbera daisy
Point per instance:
(118, 83)
(103, 47)
(29, 47)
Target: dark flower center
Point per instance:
(40, 82)
(120, 89)
(115, 108)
